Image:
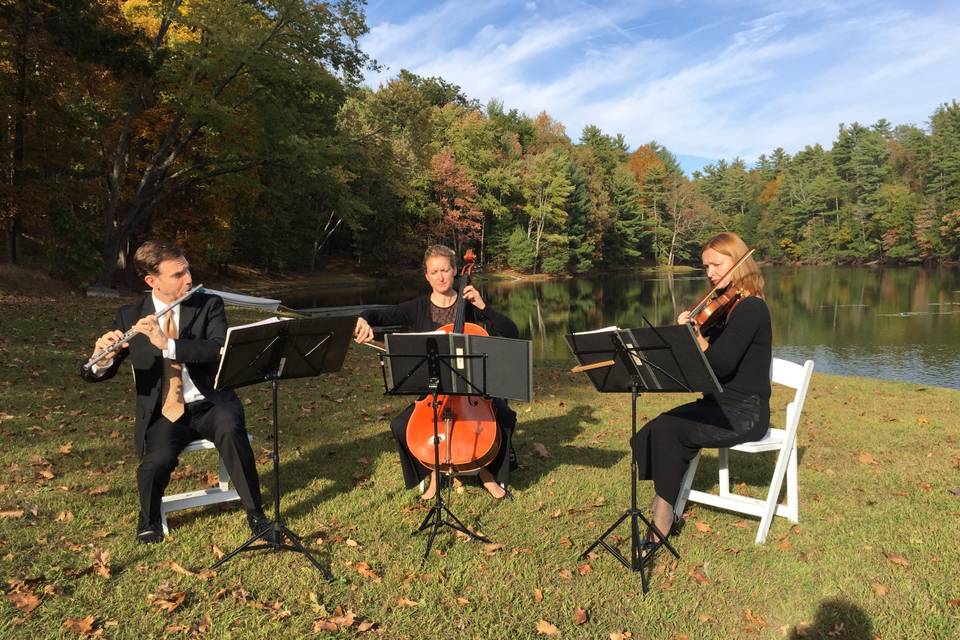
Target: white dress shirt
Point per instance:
(190, 391)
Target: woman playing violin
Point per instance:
(737, 344)
(427, 313)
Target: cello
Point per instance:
(467, 430)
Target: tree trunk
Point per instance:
(19, 124)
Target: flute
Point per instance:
(116, 346)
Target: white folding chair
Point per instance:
(202, 497)
(783, 441)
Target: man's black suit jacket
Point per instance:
(202, 331)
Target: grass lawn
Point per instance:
(875, 553)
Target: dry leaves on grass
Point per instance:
(101, 562)
(579, 616)
(866, 458)
(166, 598)
(897, 559)
(879, 589)
(84, 626)
(25, 601)
(203, 574)
(545, 628)
(65, 449)
(537, 595)
(407, 602)
(492, 547)
(696, 572)
(342, 619)
(364, 569)
(620, 635)
(12, 513)
(703, 527)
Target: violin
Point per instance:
(714, 306)
(468, 433)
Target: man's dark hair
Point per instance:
(151, 253)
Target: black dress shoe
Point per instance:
(150, 534)
(259, 522)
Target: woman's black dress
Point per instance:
(740, 356)
(420, 314)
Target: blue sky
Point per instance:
(709, 80)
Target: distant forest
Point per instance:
(243, 130)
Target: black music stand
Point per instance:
(272, 351)
(654, 359)
(431, 364)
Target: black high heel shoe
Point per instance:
(652, 541)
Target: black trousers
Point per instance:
(222, 424)
(664, 447)
(499, 467)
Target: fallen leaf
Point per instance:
(579, 616)
(99, 490)
(366, 625)
(879, 589)
(492, 548)
(65, 516)
(15, 513)
(954, 602)
(600, 501)
(101, 562)
(785, 545)
(66, 448)
(895, 559)
(566, 574)
(165, 598)
(703, 617)
(343, 619)
(955, 491)
(566, 541)
(463, 601)
(364, 569)
(324, 625)
(537, 595)
(24, 600)
(352, 543)
(866, 458)
(584, 569)
(703, 527)
(406, 602)
(544, 628)
(620, 635)
(83, 626)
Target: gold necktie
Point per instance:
(172, 386)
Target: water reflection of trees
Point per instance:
(849, 307)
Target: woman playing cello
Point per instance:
(737, 343)
(427, 313)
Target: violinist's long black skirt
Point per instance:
(499, 467)
(664, 447)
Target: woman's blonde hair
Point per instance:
(440, 251)
(747, 275)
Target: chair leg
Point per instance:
(793, 491)
(224, 474)
(773, 495)
(723, 462)
(681, 502)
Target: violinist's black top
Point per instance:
(740, 352)
(416, 315)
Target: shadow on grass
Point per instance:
(555, 433)
(838, 619)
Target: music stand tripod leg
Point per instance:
(638, 562)
(274, 535)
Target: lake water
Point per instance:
(892, 323)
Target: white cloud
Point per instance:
(786, 77)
